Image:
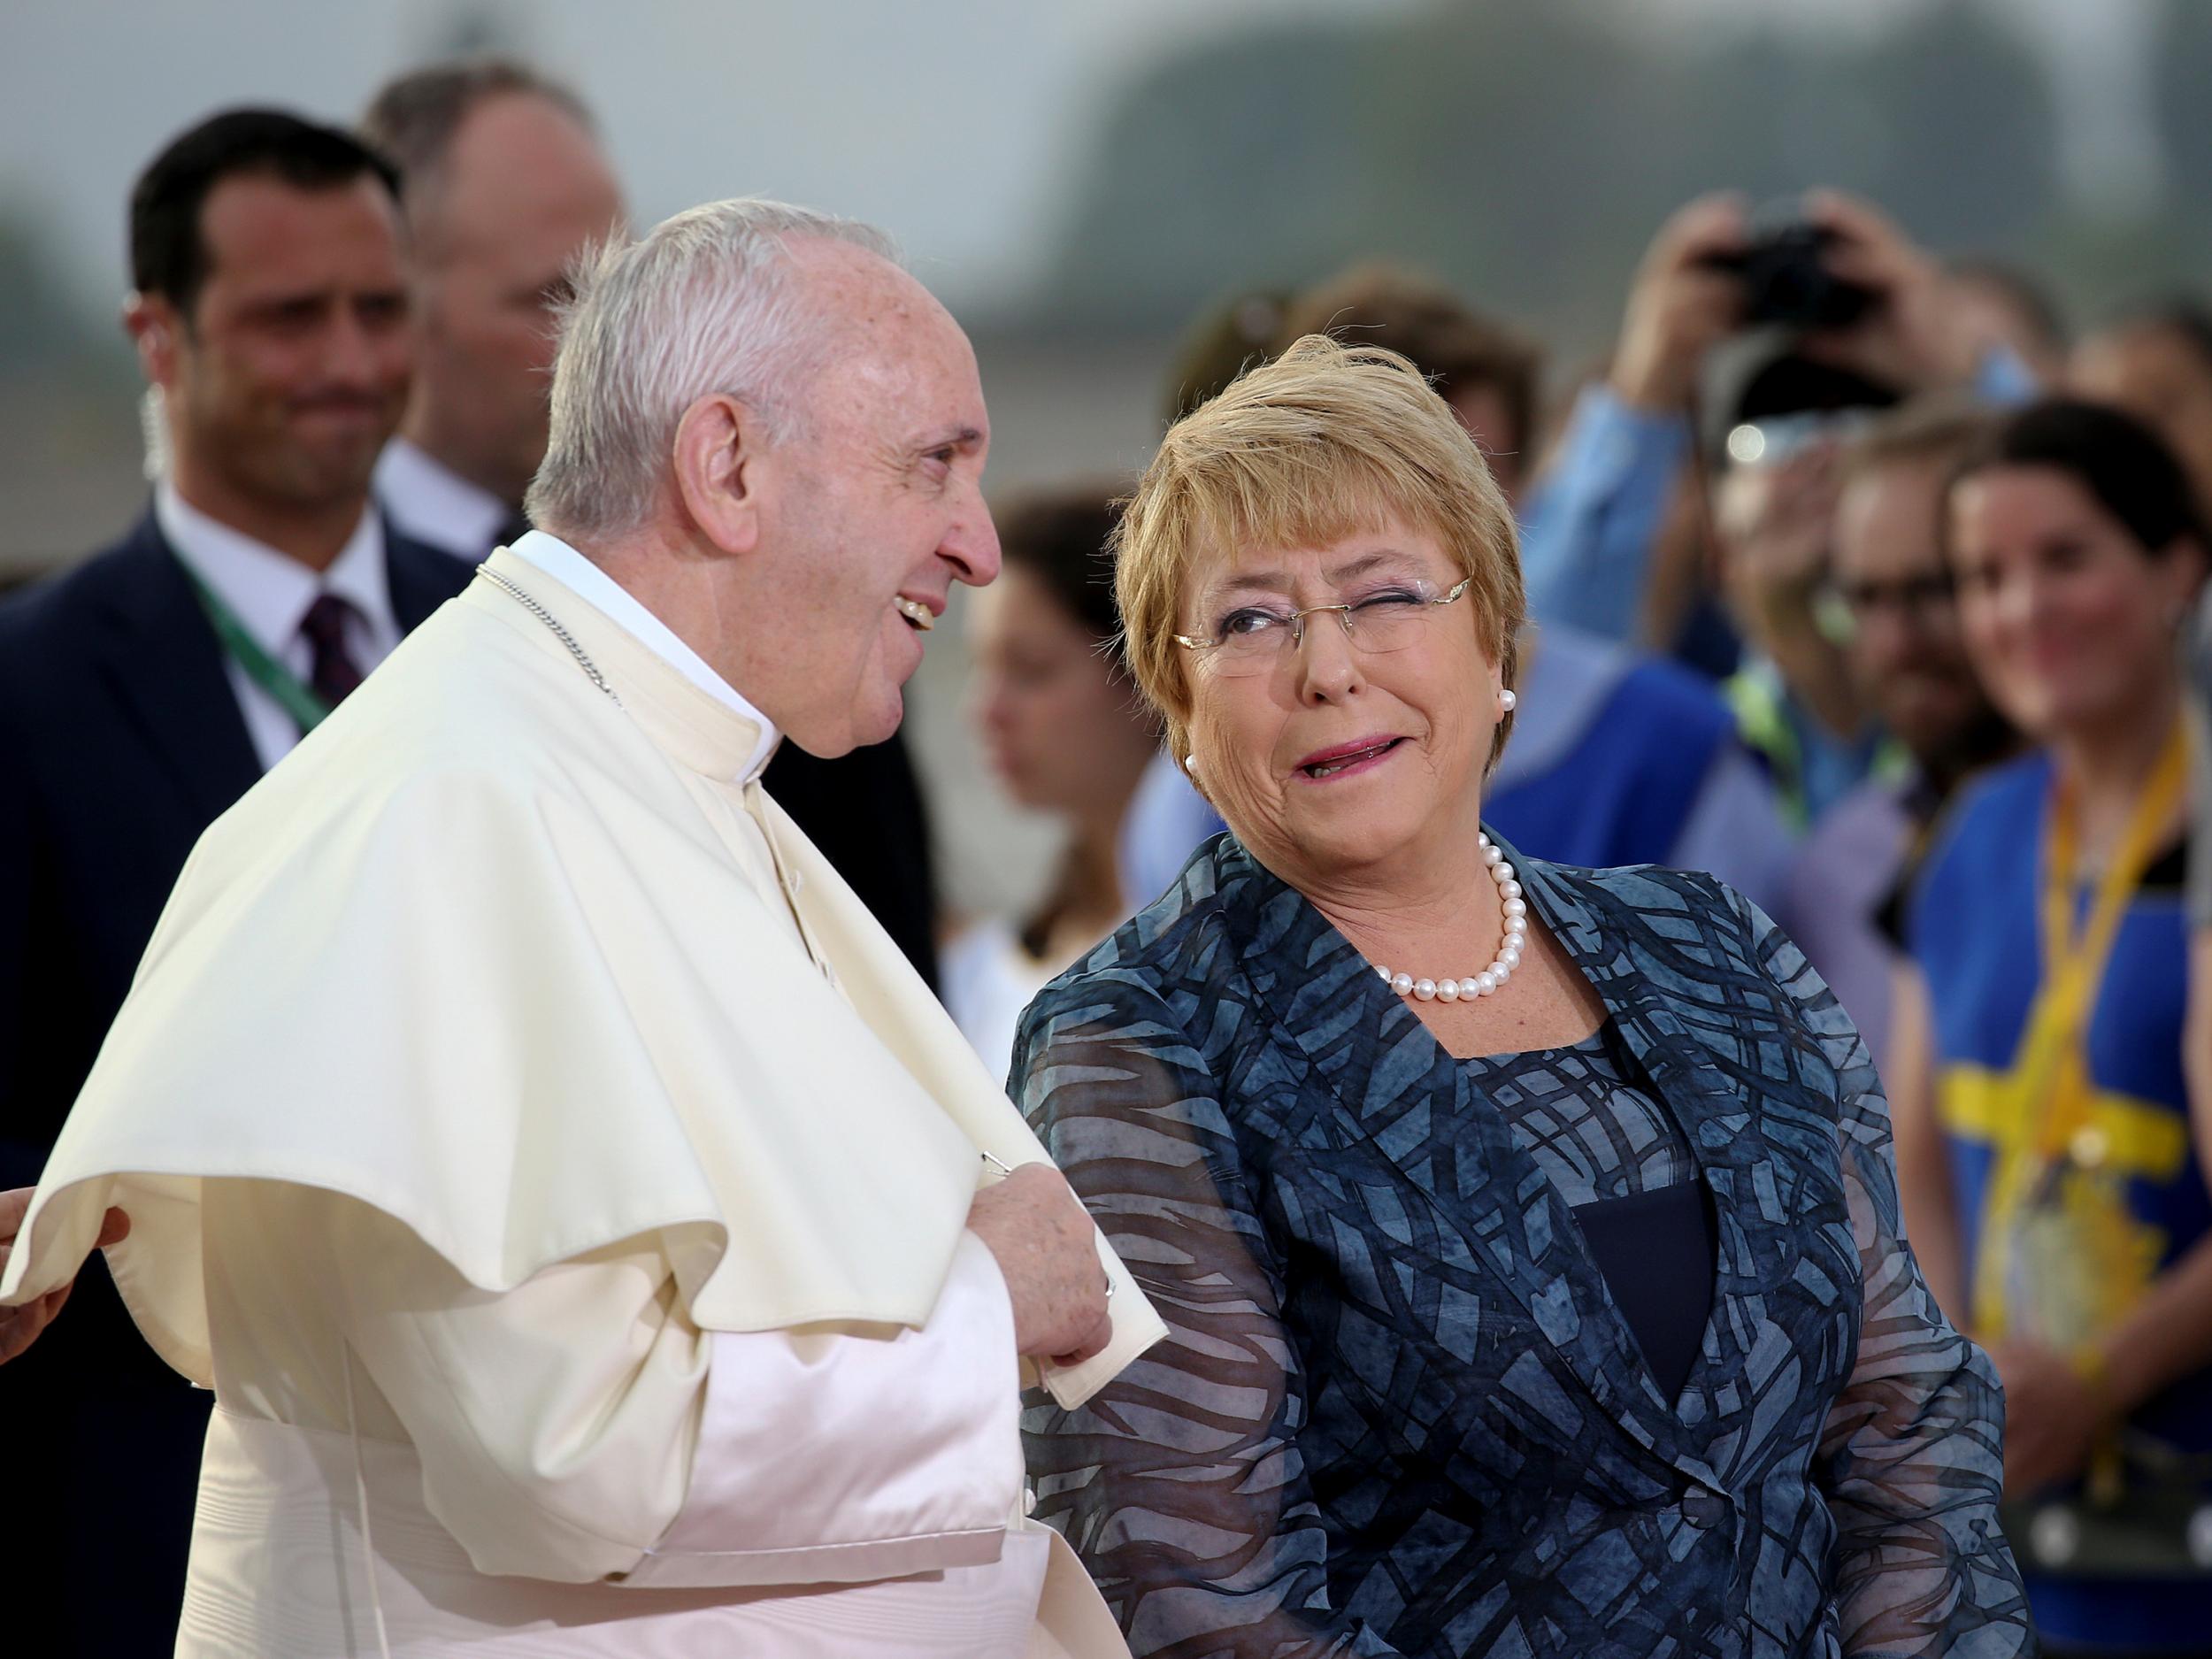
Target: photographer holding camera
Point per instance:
(1830, 273)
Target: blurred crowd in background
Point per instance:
(1862, 574)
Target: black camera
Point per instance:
(1786, 279)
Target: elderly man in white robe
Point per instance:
(596, 1239)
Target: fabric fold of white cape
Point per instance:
(490, 974)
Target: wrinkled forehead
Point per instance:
(889, 350)
(870, 304)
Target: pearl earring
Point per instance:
(1507, 701)
(1190, 764)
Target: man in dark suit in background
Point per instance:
(505, 184)
(141, 693)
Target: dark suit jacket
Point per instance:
(120, 740)
(1398, 1408)
(864, 812)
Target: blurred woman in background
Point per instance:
(1066, 734)
(2044, 1147)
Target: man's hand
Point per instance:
(20, 1326)
(1774, 521)
(2052, 1416)
(1044, 1243)
(1776, 525)
(1680, 306)
(1911, 338)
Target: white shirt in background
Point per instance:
(270, 592)
(987, 979)
(431, 502)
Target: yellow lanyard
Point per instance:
(2075, 954)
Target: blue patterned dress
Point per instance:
(1602, 1136)
(1399, 1409)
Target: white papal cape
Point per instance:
(504, 1064)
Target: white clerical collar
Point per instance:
(268, 591)
(548, 553)
(432, 503)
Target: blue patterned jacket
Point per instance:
(1398, 1411)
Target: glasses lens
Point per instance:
(1389, 622)
(1251, 640)
(1240, 655)
(1248, 643)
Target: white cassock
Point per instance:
(561, 1181)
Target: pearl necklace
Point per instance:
(1502, 965)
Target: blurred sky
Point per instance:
(964, 127)
(955, 124)
(948, 124)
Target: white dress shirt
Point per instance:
(431, 502)
(987, 980)
(270, 593)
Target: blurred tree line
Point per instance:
(1526, 150)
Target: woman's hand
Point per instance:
(20, 1327)
(2052, 1416)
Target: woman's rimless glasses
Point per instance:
(1253, 639)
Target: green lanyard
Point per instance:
(293, 695)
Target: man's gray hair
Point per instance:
(703, 302)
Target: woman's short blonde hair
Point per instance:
(1323, 442)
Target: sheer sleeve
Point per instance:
(1180, 1484)
(1911, 1456)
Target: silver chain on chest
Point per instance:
(590, 668)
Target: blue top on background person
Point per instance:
(1594, 518)
(1618, 541)
(1395, 1135)
(2042, 1115)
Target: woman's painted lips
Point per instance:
(1331, 763)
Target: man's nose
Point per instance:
(353, 355)
(2024, 600)
(971, 545)
(1886, 636)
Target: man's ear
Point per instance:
(722, 473)
(157, 331)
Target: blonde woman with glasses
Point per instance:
(1528, 1235)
